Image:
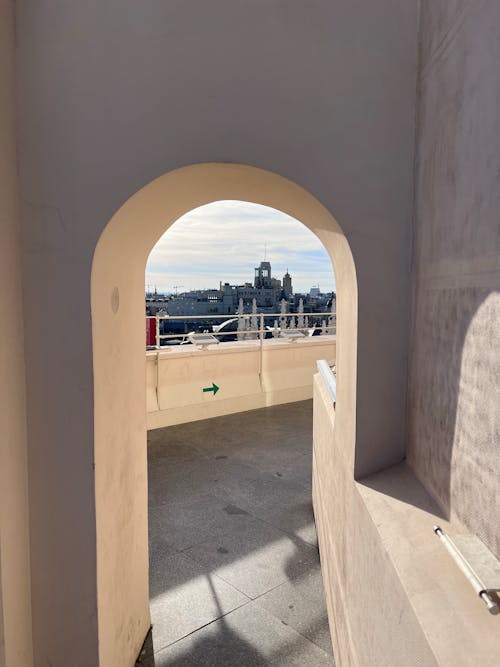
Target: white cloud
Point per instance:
(226, 240)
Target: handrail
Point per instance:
(233, 316)
(243, 333)
(329, 378)
(484, 559)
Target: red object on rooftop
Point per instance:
(150, 331)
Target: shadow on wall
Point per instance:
(453, 409)
(454, 420)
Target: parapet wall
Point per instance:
(245, 378)
(394, 596)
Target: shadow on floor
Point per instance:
(234, 566)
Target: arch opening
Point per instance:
(117, 293)
(219, 276)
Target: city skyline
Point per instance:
(225, 240)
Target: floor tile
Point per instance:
(234, 567)
(183, 522)
(301, 605)
(248, 637)
(256, 558)
(187, 596)
(254, 490)
(297, 520)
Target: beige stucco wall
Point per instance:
(454, 415)
(111, 96)
(15, 601)
(394, 595)
(371, 623)
(120, 370)
(174, 388)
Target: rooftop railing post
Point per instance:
(245, 329)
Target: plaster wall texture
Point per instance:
(372, 622)
(15, 602)
(174, 389)
(394, 596)
(454, 392)
(111, 95)
(120, 388)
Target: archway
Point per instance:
(117, 301)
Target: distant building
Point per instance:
(314, 291)
(266, 291)
(263, 278)
(287, 285)
(155, 302)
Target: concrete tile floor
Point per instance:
(234, 566)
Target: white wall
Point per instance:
(113, 94)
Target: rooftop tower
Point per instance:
(287, 285)
(263, 275)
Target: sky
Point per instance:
(225, 240)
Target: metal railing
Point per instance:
(283, 331)
(329, 378)
(248, 328)
(478, 564)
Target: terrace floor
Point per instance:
(234, 566)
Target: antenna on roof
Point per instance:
(265, 251)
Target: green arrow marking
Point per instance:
(213, 388)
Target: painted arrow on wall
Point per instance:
(213, 388)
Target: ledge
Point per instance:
(238, 346)
(454, 620)
(245, 378)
